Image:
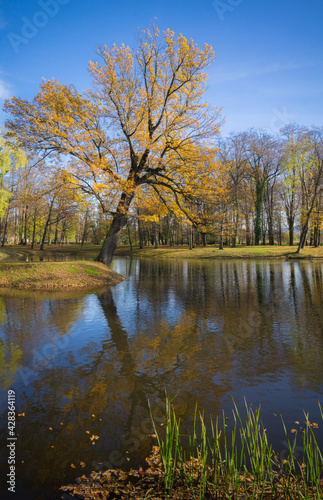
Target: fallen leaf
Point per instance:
(50, 428)
(315, 425)
(82, 464)
(293, 430)
(296, 422)
(93, 415)
(73, 466)
(21, 414)
(87, 432)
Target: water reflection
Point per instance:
(206, 331)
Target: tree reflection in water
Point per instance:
(205, 331)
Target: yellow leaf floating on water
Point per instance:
(94, 438)
(21, 414)
(87, 432)
(82, 464)
(293, 430)
(315, 425)
(296, 422)
(50, 428)
(73, 466)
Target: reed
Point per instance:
(213, 463)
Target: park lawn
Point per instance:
(213, 252)
(85, 275)
(15, 252)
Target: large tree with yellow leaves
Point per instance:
(144, 123)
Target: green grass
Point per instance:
(57, 275)
(212, 252)
(241, 465)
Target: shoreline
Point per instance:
(214, 253)
(14, 253)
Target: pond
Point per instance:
(83, 367)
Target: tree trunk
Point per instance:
(44, 234)
(118, 222)
(248, 239)
(25, 227)
(85, 227)
(129, 235)
(46, 225)
(139, 230)
(5, 227)
(34, 232)
(260, 186)
(221, 238)
(291, 230)
(155, 235)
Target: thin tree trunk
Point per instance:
(129, 235)
(34, 231)
(5, 227)
(139, 230)
(46, 225)
(155, 235)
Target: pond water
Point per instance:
(83, 367)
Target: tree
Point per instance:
(12, 157)
(290, 188)
(311, 177)
(144, 123)
(264, 165)
(232, 154)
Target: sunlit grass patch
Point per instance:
(57, 275)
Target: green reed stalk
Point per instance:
(215, 465)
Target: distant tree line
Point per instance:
(269, 189)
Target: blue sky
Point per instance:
(268, 69)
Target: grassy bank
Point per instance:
(212, 252)
(57, 275)
(214, 464)
(15, 252)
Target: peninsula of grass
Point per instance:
(57, 276)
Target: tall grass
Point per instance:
(213, 463)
